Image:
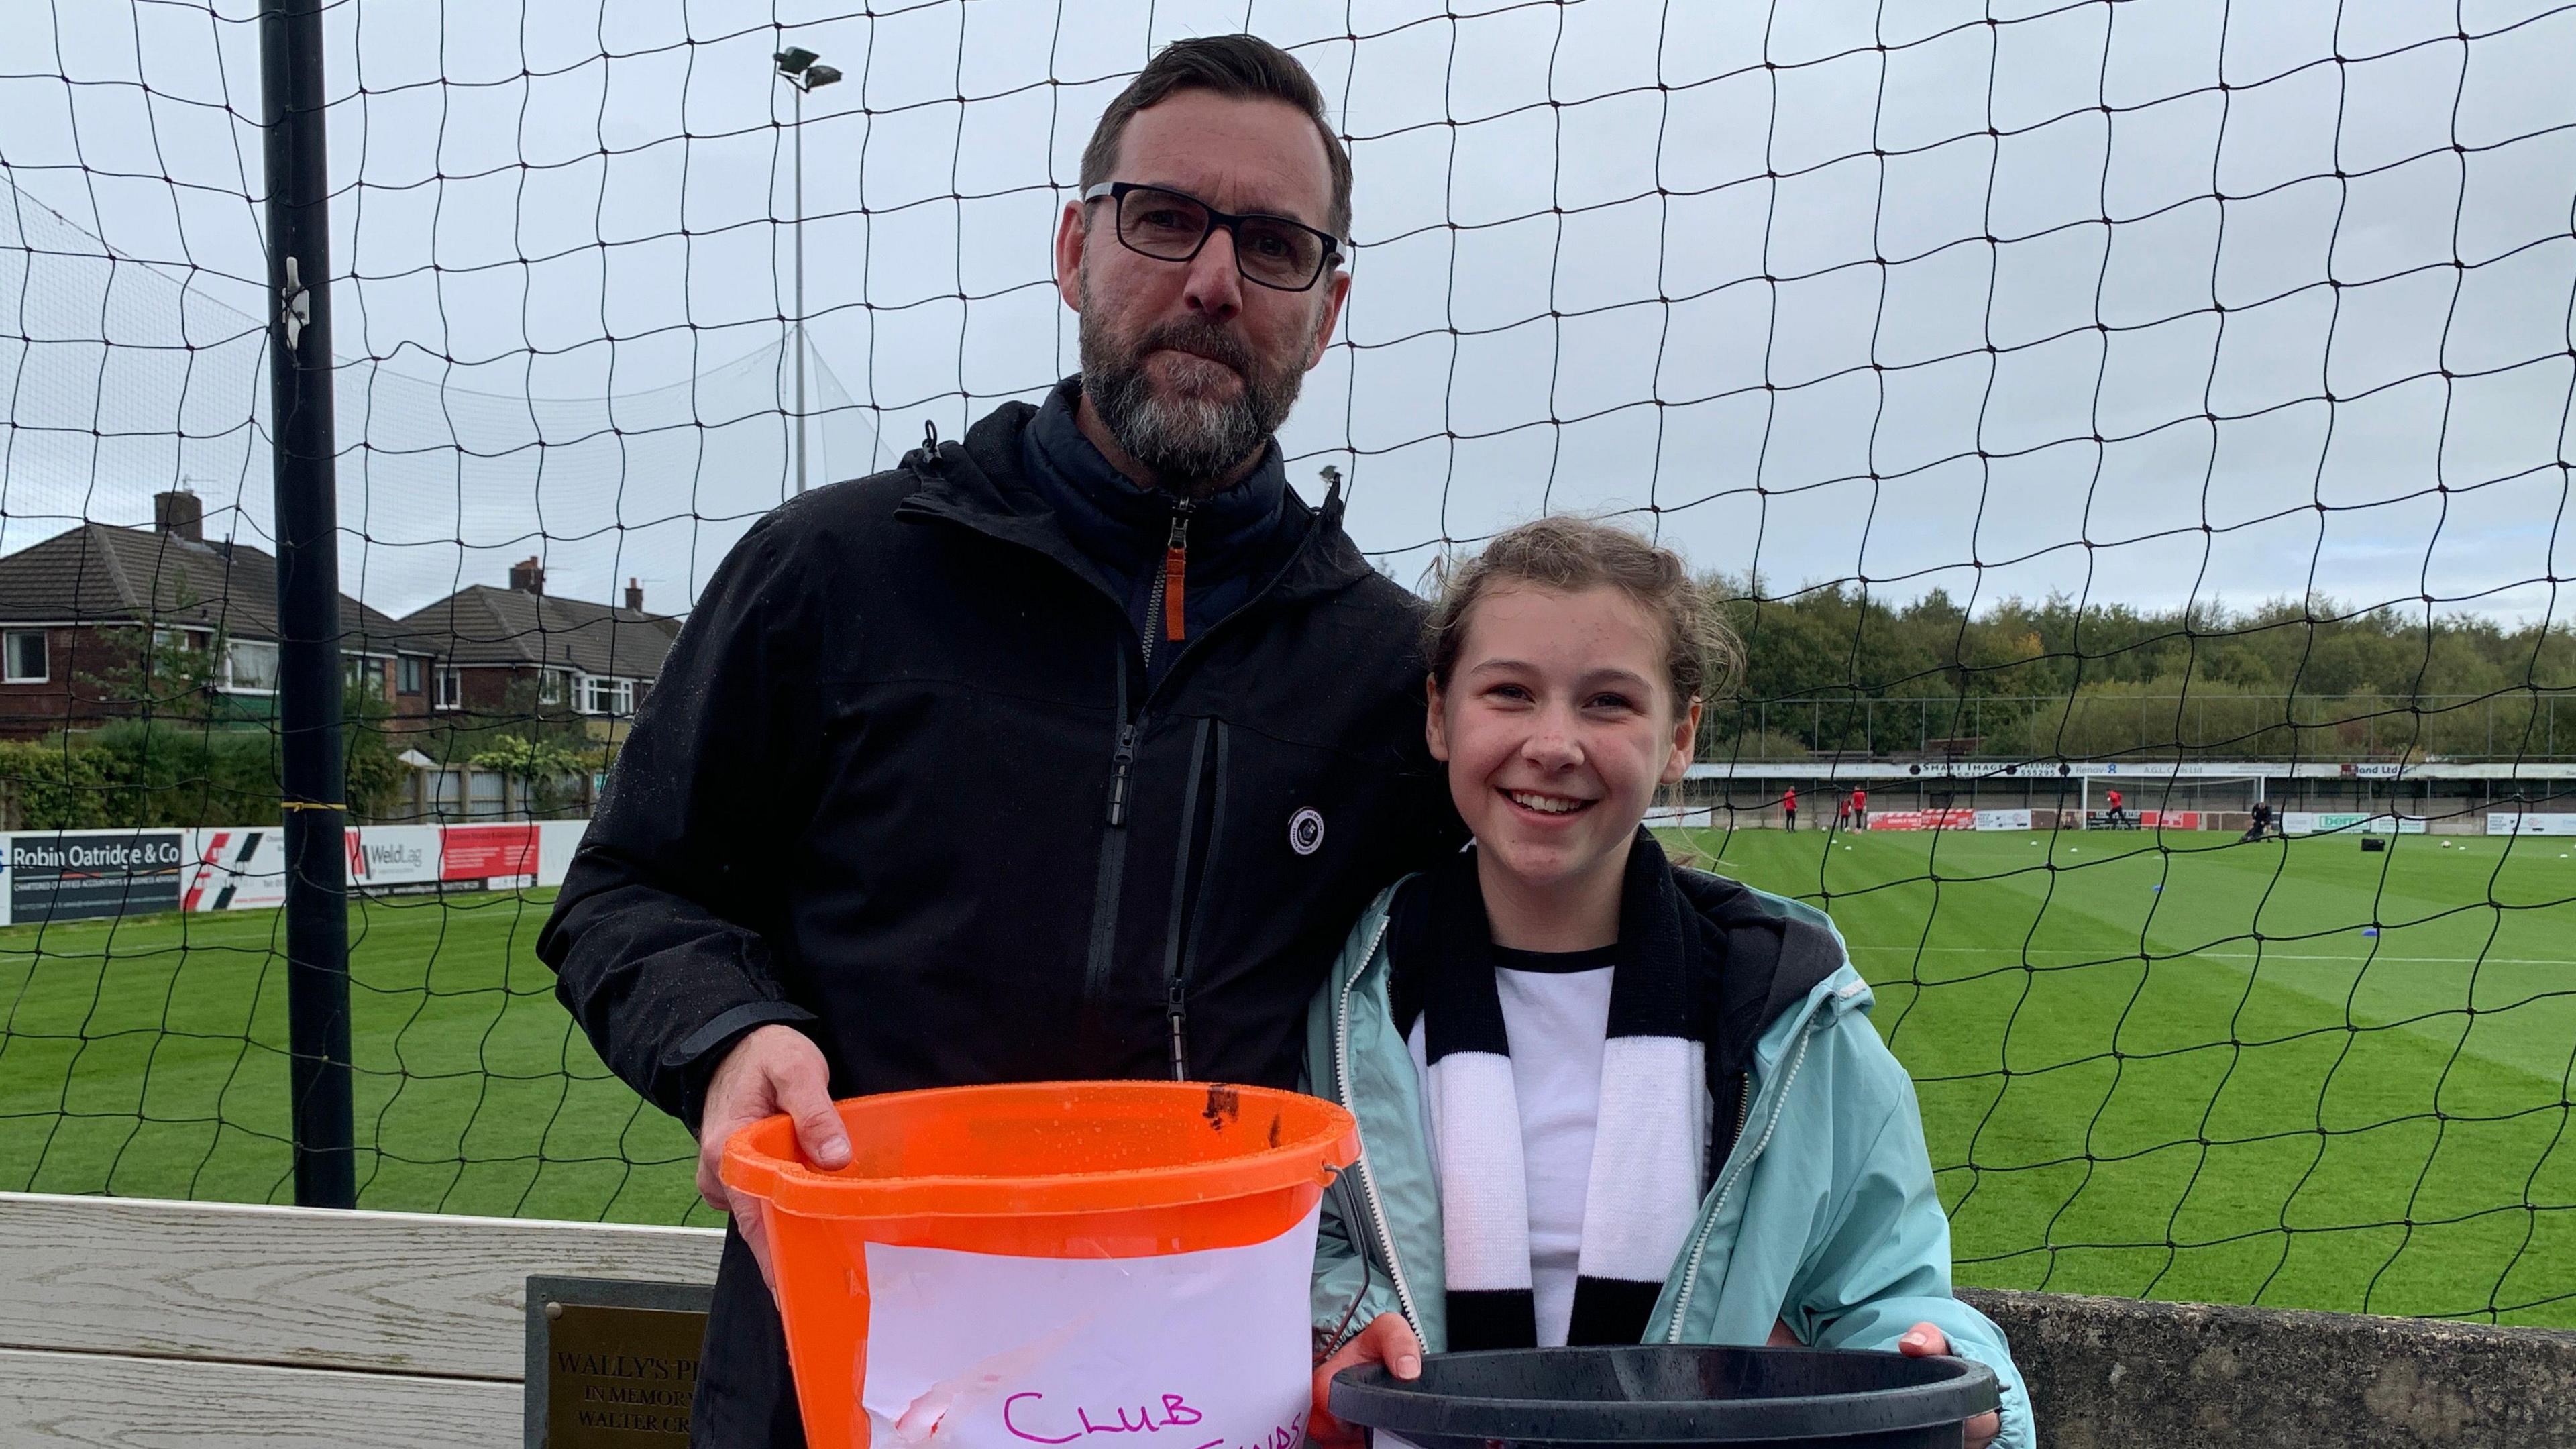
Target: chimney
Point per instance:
(634, 597)
(528, 577)
(180, 513)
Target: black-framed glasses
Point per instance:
(1171, 226)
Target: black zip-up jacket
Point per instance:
(901, 784)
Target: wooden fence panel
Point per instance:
(99, 1400)
(407, 1293)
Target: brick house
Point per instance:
(74, 610)
(502, 650)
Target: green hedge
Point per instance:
(176, 772)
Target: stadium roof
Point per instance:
(102, 573)
(485, 625)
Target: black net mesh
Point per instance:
(2065, 399)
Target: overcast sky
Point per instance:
(1835, 290)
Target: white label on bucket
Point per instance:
(1189, 1351)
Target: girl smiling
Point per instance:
(1604, 1099)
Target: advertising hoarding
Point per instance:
(390, 859)
(77, 875)
(2515, 822)
(235, 868)
(1922, 819)
(93, 874)
(499, 857)
(558, 839)
(2321, 822)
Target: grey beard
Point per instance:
(1188, 444)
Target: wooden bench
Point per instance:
(128, 1321)
(132, 1322)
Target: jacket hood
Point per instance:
(977, 482)
(1770, 954)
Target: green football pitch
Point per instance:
(146, 1057)
(2223, 1089)
(2191, 1070)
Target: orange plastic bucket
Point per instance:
(1047, 1175)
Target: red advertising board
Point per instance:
(1923, 820)
(487, 852)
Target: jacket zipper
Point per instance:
(1699, 1240)
(1122, 763)
(1242, 610)
(1113, 847)
(1165, 603)
(1327, 517)
(1122, 756)
(1175, 941)
(1164, 613)
(1342, 1072)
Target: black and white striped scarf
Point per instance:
(1650, 1145)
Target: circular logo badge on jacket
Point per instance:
(1306, 831)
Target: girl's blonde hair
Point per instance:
(1566, 554)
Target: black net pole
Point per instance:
(308, 601)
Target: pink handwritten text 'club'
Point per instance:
(1174, 1412)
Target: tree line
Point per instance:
(1833, 668)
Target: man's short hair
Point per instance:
(1240, 67)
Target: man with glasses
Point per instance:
(1065, 750)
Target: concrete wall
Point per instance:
(2119, 1373)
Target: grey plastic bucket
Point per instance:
(1788, 1398)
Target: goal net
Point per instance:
(2180, 387)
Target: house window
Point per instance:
(550, 686)
(412, 666)
(613, 697)
(26, 662)
(451, 689)
(250, 667)
(365, 674)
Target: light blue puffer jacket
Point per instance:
(1823, 1216)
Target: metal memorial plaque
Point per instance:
(612, 1364)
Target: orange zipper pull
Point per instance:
(1176, 564)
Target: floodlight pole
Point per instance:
(303, 464)
(799, 68)
(800, 288)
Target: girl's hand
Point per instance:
(1923, 1341)
(1389, 1340)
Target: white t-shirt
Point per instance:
(1556, 1010)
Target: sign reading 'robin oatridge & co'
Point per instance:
(78, 875)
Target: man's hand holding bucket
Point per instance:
(773, 1069)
